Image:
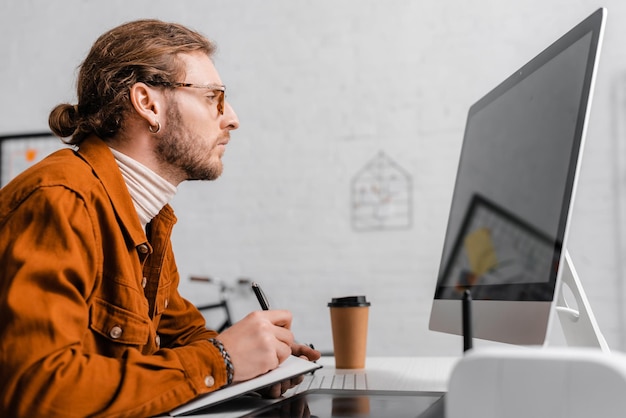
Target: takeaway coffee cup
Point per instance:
(348, 320)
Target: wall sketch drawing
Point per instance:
(381, 196)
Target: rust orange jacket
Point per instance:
(91, 321)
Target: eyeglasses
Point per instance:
(219, 91)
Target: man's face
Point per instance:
(194, 135)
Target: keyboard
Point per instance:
(346, 381)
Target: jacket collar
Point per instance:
(98, 155)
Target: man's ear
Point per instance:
(148, 102)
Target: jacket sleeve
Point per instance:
(51, 262)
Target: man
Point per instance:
(92, 321)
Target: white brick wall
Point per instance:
(320, 88)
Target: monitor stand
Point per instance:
(578, 323)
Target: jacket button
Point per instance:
(167, 302)
(157, 340)
(116, 332)
(144, 282)
(142, 248)
(209, 381)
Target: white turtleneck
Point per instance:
(149, 191)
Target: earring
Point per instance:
(155, 130)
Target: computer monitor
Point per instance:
(20, 151)
(507, 229)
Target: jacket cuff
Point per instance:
(206, 371)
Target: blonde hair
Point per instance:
(139, 51)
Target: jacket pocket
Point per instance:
(118, 324)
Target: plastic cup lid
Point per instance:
(348, 301)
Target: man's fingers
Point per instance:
(283, 351)
(274, 391)
(284, 336)
(305, 351)
(280, 318)
(297, 380)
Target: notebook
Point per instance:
(293, 366)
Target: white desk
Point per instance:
(427, 374)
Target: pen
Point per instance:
(258, 292)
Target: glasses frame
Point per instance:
(219, 90)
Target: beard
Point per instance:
(184, 151)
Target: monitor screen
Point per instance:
(513, 193)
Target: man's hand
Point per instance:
(258, 343)
(303, 351)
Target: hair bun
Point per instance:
(63, 120)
